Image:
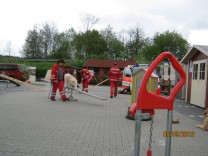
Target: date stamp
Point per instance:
(179, 134)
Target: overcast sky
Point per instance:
(188, 17)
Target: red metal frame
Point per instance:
(149, 100)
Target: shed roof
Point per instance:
(72, 67)
(145, 70)
(108, 63)
(192, 52)
(153, 74)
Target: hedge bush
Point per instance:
(43, 67)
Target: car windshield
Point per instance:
(8, 67)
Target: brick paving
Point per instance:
(32, 125)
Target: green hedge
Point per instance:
(43, 67)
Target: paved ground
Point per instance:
(32, 125)
(191, 111)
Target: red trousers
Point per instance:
(85, 85)
(60, 86)
(113, 88)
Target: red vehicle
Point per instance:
(17, 71)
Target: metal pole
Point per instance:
(138, 119)
(50, 91)
(169, 130)
(89, 94)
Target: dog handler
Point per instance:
(86, 78)
(114, 75)
(57, 80)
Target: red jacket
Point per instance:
(114, 73)
(86, 75)
(54, 73)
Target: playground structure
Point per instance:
(138, 74)
(136, 82)
(149, 100)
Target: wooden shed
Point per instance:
(101, 67)
(73, 71)
(196, 63)
(136, 82)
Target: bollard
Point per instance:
(138, 119)
(149, 100)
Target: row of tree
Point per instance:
(131, 44)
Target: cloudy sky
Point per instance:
(188, 17)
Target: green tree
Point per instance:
(135, 41)
(91, 41)
(167, 41)
(39, 42)
(62, 45)
(47, 34)
(150, 50)
(88, 21)
(32, 46)
(117, 48)
(114, 47)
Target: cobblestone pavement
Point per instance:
(32, 125)
(191, 111)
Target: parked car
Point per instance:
(17, 71)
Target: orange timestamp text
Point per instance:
(179, 134)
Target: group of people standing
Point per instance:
(57, 79)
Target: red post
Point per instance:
(149, 100)
(149, 153)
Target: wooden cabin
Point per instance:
(196, 65)
(100, 67)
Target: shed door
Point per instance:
(198, 87)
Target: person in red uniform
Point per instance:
(57, 80)
(86, 78)
(114, 75)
